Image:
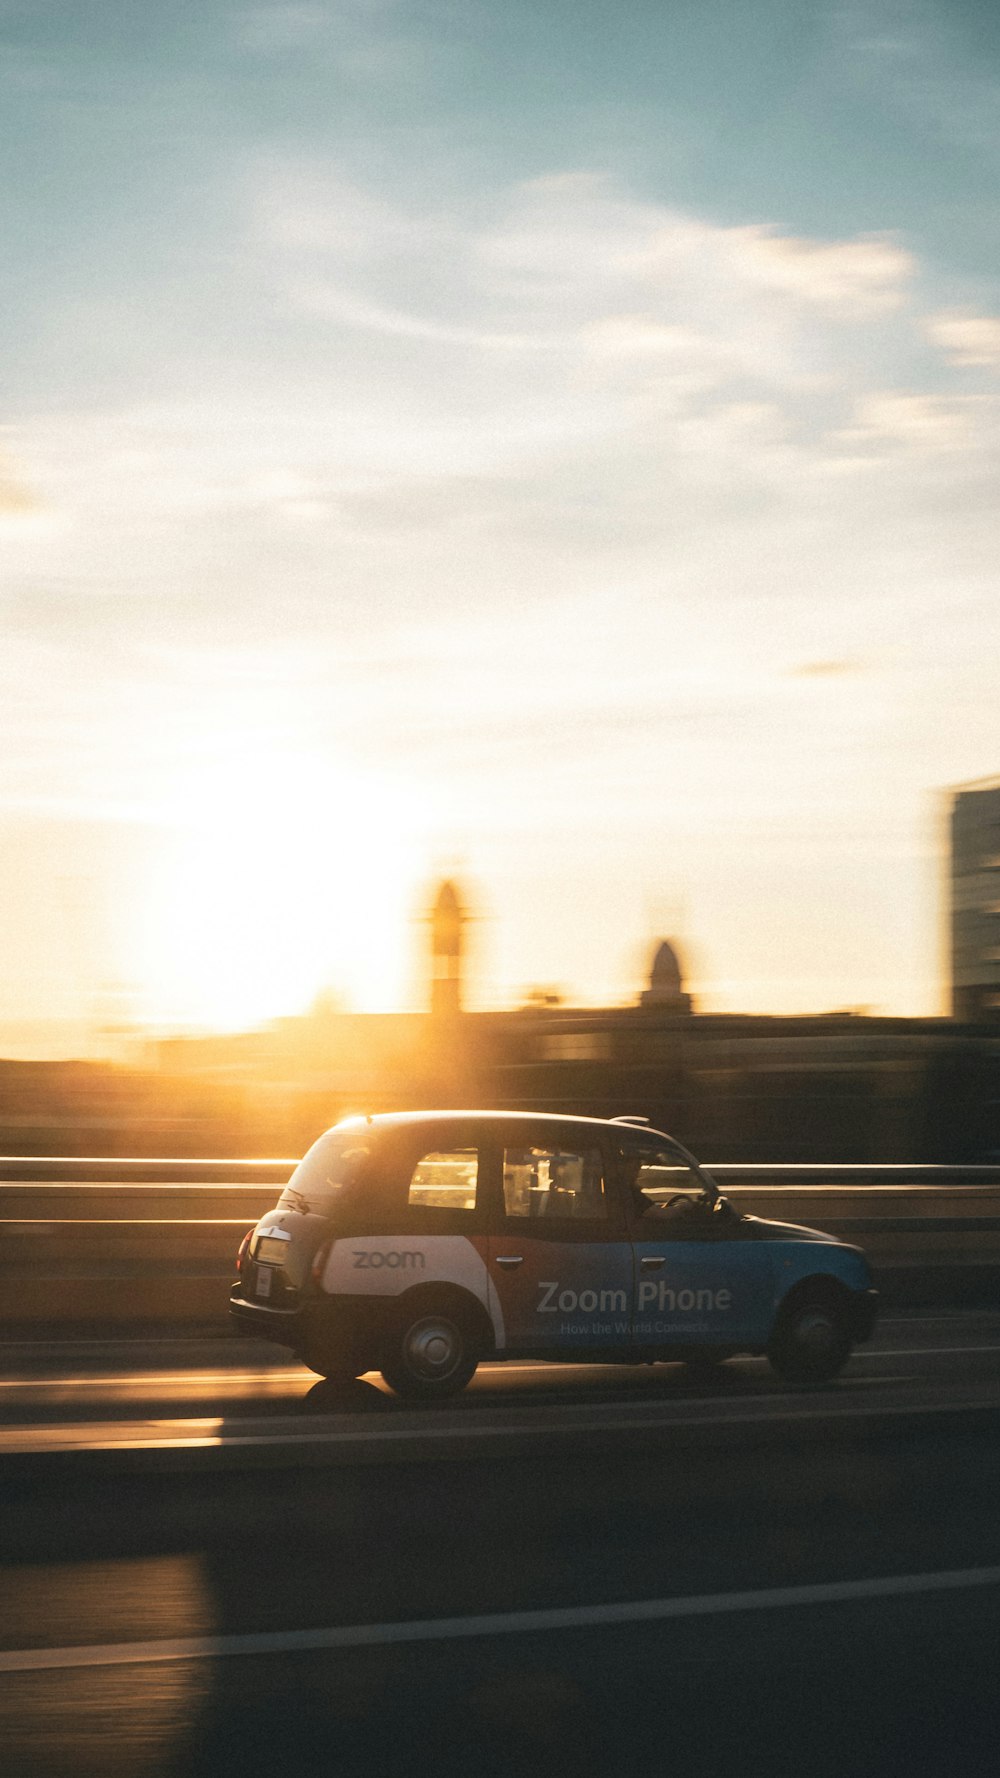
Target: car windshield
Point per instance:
(338, 1159)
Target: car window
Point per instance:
(339, 1159)
(445, 1179)
(554, 1184)
(656, 1173)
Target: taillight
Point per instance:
(244, 1244)
(320, 1258)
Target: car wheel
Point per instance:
(430, 1354)
(811, 1342)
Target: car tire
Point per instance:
(811, 1342)
(430, 1353)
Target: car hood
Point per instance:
(761, 1228)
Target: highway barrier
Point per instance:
(88, 1244)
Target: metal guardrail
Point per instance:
(197, 1170)
(92, 1240)
(147, 1169)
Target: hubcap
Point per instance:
(815, 1333)
(432, 1348)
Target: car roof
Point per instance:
(385, 1120)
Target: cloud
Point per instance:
(967, 339)
(861, 277)
(559, 230)
(15, 496)
(562, 390)
(600, 312)
(311, 207)
(914, 422)
(825, 669)
(373, 317)
(563, 393)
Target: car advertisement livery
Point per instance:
(577, 1294)
(687, 1290)
(535, 1235)
(564, 1294)
(386, 1265)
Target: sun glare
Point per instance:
(280, 878)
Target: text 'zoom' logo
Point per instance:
(372, 1261)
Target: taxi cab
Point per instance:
(419, 1243)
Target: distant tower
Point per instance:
(975, 901)
(447, 920)
(666, 989)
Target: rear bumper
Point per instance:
(261, 1322)
(320, 1329)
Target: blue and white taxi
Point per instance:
(421, 1243)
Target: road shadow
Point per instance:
(334, 1395)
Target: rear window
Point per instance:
(340, 1158)
(445, 1179)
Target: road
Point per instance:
(570, 1571)
(183, 1381)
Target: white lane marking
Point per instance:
(24, 1440)
(946, 1319)
(283, 1374)
(744, 1357)
(156, 1378)
(925, 1352)
(150, 1380)
(506, 1623)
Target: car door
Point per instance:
(696, 1281)
(560, 1260)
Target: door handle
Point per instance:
(509, 1259)
(655, 1260)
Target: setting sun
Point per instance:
(279, 877)
(475, 452)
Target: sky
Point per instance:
(551, 444)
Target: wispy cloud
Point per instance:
(585, 497)
(16, 498)
(967, 339)
(825, 669)
(914, 422)
(631, 301)
(855, 278)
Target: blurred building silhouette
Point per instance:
(666, 989)
(447, 920)
(975, 901)
(735, 1087)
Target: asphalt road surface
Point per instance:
(570, 1571)
(187, 1380)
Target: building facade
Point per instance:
(975, 902)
